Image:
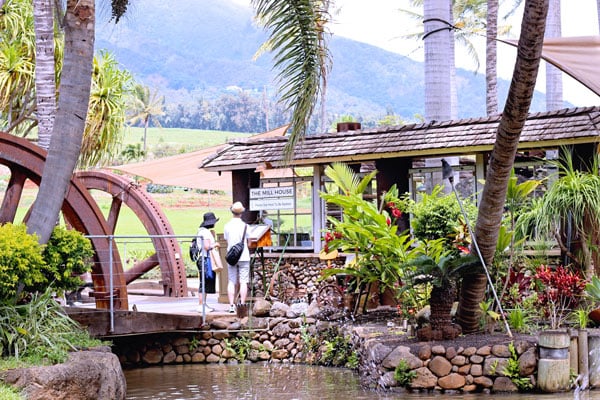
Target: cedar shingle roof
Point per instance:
(467, 136)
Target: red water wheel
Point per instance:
(167, 250)
(25, 162)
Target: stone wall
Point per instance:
(444, 368)
(276, 338)
(305, 267)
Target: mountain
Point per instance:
(206, 47)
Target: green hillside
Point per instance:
(201, 50)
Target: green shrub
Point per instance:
(67, 256)
(438, 216)
(21, 262)
(28, 267)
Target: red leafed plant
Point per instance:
(559, 291)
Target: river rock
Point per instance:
(87, 375)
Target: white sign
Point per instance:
(269, 192)
(284, 203)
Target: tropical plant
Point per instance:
(592, 289)
(559, 291)
(519, 320)
(145, 107)
(443, 270)
(573, 198)
(69, 124)
(106, 113)
(366, 230)
(40, 330)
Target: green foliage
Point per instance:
(366, 230)
(403, 374)
(10, 393)
(511, 370)
(241, 345)
(67, 255)
(592, 289)
(40, 330)
(489, 317)
(21, 262)
(580, 317)
(27, 267)
(519, 320)
(338, 351)
(431, 263)
(437, 216)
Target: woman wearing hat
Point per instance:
(238, 274)
(206, 238)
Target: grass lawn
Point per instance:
(183, 139)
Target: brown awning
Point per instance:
(184, 169)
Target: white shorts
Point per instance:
(239, 273)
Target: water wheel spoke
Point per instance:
(113, 214)
(12, 195)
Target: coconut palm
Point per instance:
(145, 107)
(45, 82)
(491, 58)
(297, 36)
(69, 124)
(503, 154)
(554, 86)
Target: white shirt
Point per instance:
(233, 231)
(203, 235)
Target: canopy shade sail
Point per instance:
(184, 169)
(577, 56)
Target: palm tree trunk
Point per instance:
(45, 84)
(67, 132)
(503, 154)
(554, 82)
(491, 57)
(438, 37)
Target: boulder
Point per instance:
(93, 375)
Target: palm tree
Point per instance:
(491, 58)
(554, 86)
(145, 107)
(503, 154)
(67, 133)
(45, 84)
(298, 39)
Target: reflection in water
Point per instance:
(274, 381)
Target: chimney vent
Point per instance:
(348, 126)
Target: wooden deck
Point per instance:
(150, 312)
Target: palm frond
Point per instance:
(298, 40)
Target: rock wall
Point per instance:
(444, 368)
(275, 339)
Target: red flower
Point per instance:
(396, 213)
(388, 221)
(463, 249)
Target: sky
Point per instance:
(380, 23)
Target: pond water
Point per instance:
(275, 381)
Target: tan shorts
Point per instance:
(239, 273)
